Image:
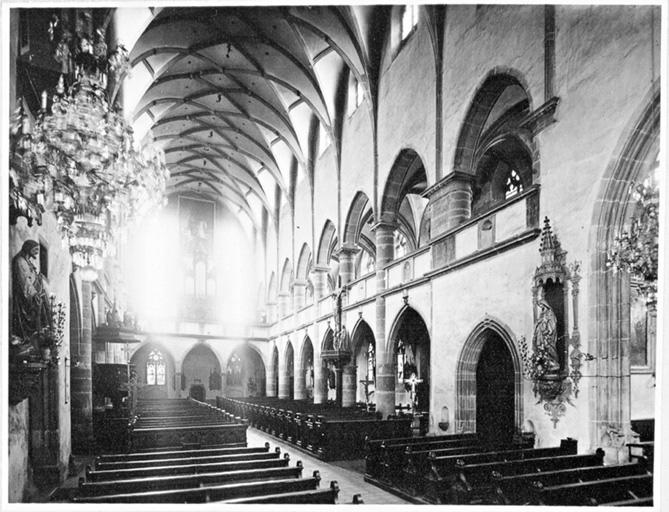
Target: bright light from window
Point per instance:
(409, 19)
(359, 93)
(513, 185)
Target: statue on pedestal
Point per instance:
(30, 301)
(545, 337)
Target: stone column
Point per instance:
(81, 410)
(384, 393)
(272, 312)
(284, 380)
(347, 263)
(348, 385)
(299, 292)
(320, 383)
(450, 202)
(320, 280)
(270, 382)
(300, 391)
(284, 304)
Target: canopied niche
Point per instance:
(555, 360)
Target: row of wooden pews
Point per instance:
(462, 469)
(196, 467)
(324, 430)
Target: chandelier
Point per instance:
(637, 250)
(79, 156)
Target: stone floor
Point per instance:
(348, 474)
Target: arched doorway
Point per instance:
(488, 383)
(201, 371)
(244, 374)
(307, 368)
(411, 345)
(495, 399)
(364, 357)
(154, 372)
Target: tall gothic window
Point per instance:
(155, 369)
(401, 245)
(371, 362)
(409, 19)
(234, 373)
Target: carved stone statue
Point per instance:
(545, 336)
(30, 301)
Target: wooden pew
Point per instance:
(476, 481)
(185, 481)
(202, 459)
(445, 469)
(121, 474)
(599, 492)
(211, 493)
(171, 454)
(175, 437)
(317, 496)
(517, 489)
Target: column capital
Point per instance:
(318, 269)
(298, 282)
(384, 224)
(456, 177)
(348, 249)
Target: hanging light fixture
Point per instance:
(80, 150)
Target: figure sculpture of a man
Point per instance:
(30, 300)
(546, 335)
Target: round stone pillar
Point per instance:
(284, 381)
(270, 383)
(284, 304)
(348, 386)
(450, 202)
(347, 262)
(319, 276)
(300, 390)
(384, 390)
(299, 293)
(320, 383)
(81, 382)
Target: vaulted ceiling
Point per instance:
(236, 96)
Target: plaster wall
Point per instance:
(303, 219)
(17, 463)
(406, 111)
(325, 193)
(357, 159)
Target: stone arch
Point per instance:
(407, 175)
(303, 263)
(609, 292)
(325, 243)
(465, 374)
(362, 336)
(271, 288)
(304, 376)
(328, 340)
(253, 372)
(200, 370)
(139, 359)
(487, 94)
(354, 217)
(410, 334)
(286, 276)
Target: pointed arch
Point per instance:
(354, 217)
(328, 340)
(609, 292)
(271, 289)
(407, 176)
(303, 263)
(485, 98)
(286, 276)
(465, 374)
(325, 244)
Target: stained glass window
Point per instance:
(155, 369)
(513, 185)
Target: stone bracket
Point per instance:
(542, 117)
